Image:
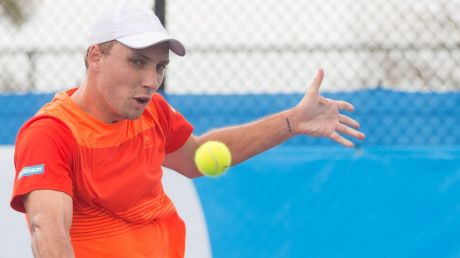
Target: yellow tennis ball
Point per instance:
(213, 158)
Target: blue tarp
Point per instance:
(389, 118)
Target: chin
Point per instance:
(133, 116)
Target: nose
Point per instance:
(152, 80)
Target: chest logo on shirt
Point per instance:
(32, 170)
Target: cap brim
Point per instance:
(144, 40)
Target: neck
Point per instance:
(88, 98)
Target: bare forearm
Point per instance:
(314, 115)
(50, 215)
(248, 140)
(48, 245)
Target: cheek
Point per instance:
(116, 87)
(119, 79)
(161, 77)
(117, 74)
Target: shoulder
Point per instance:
(163, 106)
(161, 103)
(45, 131)
(44, 158)
(45, 124)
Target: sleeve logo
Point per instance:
(32, 170)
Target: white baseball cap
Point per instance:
(135, 26)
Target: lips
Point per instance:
(142, 100)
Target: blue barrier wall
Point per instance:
(389, 118)
(394, 196)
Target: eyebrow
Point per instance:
(143, 56)
(148, 58)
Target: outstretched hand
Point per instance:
(318, 116)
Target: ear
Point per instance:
(94, 58)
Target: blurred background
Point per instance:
(394, 195)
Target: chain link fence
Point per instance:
(258, 46)
(273, 46)
(238, 46)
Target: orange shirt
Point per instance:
(113, 173)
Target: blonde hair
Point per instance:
(105, 50)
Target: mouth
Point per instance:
(142, 100)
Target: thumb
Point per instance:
(316, 84)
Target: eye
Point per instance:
(161, 67)
(137, 62)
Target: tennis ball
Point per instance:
(213, 158)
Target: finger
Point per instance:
(316, 84)
(343, 105)
(341, 128)
(340, 139)
(348, 121)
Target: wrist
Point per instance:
(290, 122)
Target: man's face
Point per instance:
(129, 77)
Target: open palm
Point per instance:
(318, 116)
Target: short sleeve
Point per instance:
(177, 129)
(43, 158)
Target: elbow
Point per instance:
(42, 225)
(36, 222)
(48, 238)
(195, 176)
(192, 173)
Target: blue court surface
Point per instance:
(323, 202)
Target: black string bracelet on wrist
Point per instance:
(289, 125)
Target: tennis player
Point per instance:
(88, 164)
